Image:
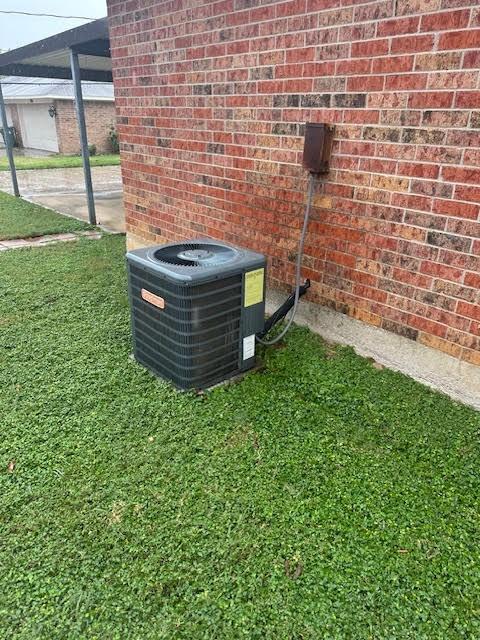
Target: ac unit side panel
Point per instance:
(253, 313)
(193, 340)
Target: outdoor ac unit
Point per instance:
(196, 307)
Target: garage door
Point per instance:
(38, 127)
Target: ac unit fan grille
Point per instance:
(195, 255)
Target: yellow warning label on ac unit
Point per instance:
(254, 287)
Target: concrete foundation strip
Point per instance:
(42, 241)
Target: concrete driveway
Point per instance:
(64, 191)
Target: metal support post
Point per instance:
(83, 134)
(8, 144)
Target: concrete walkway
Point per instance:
(63, 190)
(42, 241)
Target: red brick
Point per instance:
(377, 165)
(441, 271)
(290, 8)
(471, 60)
(430, 100)
(423, 324)
(300, 55)
(370, 48)
(412, 44)
(365, 83)
(289, 70)
(354, 67)
(393, 64)
(446, 155)
(475, 328)
(467, 99)
(460, 40)
(455, 208)
(472, 280)
(303, 85)
(472, 157)
(418, 170)
(399, 152)
(406, 81)
(418, 203)
(320, 5)
(461, 174)
(468, 310)
(361, 116)
(398, 26)
(262, 13)
(445, 20)
(270, 86)
(320, 69)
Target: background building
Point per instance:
(43, 113)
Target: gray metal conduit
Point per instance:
(8, 145)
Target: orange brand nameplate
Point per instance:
(157, 301)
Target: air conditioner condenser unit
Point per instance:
(195, 310)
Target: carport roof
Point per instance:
(21, 89)
(50, 57)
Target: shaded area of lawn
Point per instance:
(58, 162)
(319, 498)
(22, 219)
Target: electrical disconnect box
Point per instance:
(317, 147)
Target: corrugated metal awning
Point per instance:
(16, 88)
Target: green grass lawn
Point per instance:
(57, 162)
(318, 499)
(22, 219)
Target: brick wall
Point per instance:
(211, 98)
(98, 116)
